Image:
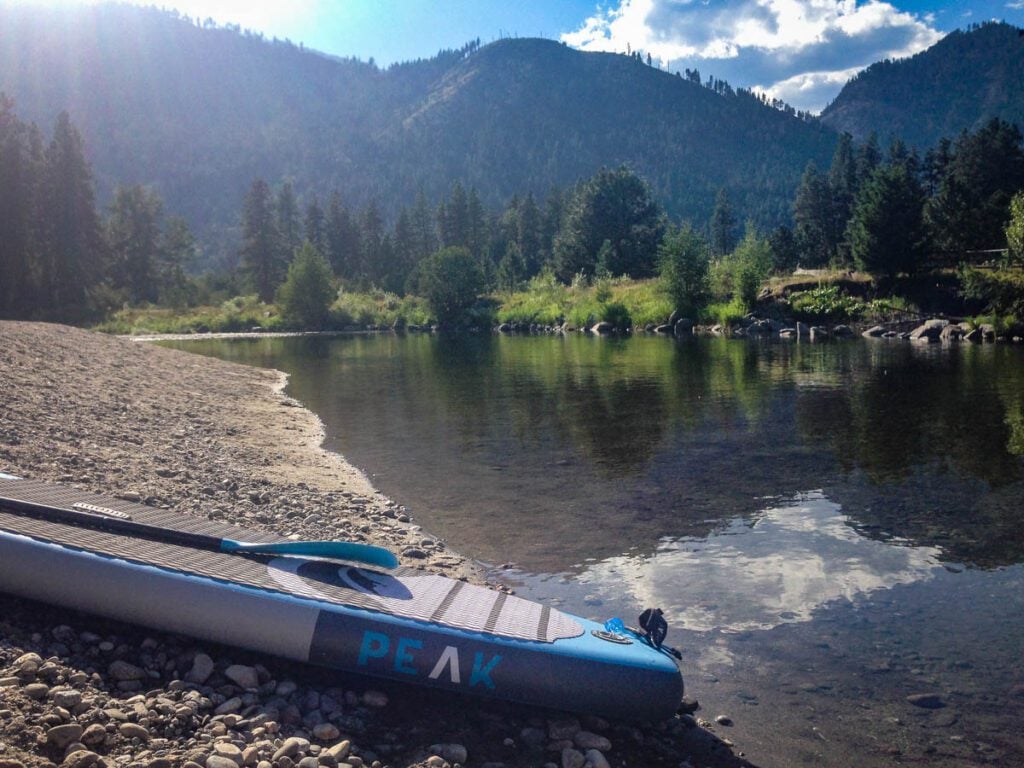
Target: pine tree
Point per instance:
(842, 184)
(289, 228)
(529, 236)
(887, 232)
(133, 236)
(373, 259)
(179, 252)
(723, 224)
(343, 246)
(315, 226)
(18, 191)
(813, 219)
(424, 230)
(74, 249)
(261, 250)
(453, 219)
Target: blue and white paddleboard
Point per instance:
(400, 623)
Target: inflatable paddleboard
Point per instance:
(174, 572)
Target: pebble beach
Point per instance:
(211, 438)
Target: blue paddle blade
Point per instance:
(342, 550)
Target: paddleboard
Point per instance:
(402, 624)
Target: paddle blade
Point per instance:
(342, 550)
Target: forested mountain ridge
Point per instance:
(960, 83)
(197, 112)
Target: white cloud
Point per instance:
(804, 48)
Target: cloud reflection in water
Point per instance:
(794, 559)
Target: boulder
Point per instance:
(842, 332)
(603, 327)
(874, 332)
(951, 333)
(929, 331)
(683, 326)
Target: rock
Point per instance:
(563, 729)
(452, 753)
(37, 691)
(663, 329)
(929, 331)
(683, 327)
(787, 333)
(596, 759)
(122, 671)
(376, 699)
(817, 332)
(60, 736)
(94, 735)
(588, 740)
(724, 720)
(230, 706)
(802, 331)
(951, 333)
(533, 737)
(842, 332)
(572, 758)
(290, 748)
(326, 732)
(81, 758)
(603, 327)
(340, 750)
(217, 761)
(309, 762)
(874, 332)
(228, 750)
(134, 731)
(688, 706)
(68, 698)
(973, 335)
(926, 700)
(202, 668)
(242, 676)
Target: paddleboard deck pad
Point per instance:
(404, 624)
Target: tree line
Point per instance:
(60, 257)
(899, 212)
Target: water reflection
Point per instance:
(606, 446)
(787, 563)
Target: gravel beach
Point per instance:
(215, 439)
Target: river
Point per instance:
(834, 530)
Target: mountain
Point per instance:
(958, 84)
(198, 111)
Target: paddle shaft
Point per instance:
(111, 524)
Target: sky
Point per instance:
(801, 51)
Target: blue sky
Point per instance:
(799, 50)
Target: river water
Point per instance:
(833, 530)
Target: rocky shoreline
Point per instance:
(221, 440)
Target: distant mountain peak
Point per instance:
(961, 82)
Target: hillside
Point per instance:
(960, 83)
(198, 111)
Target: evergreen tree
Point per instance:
(261, 252)
(134, 239)
(373, 256)
(423, 229)
(453, 219)
(511, 268)
(529, 236)
(343, 245)
(315, 226)
(842, 184)
(289, 227)
(971, 209)
(785, 254)
(614, 206)
(869, 157)
(887, 232)
(179, 252)
(551, 223)
(74, 250)
(813, 217)
(723, 224)
(19, 254)
(308, 290)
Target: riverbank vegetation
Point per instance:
(877, 235)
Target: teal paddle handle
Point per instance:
(342, 550)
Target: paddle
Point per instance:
(94, 516)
